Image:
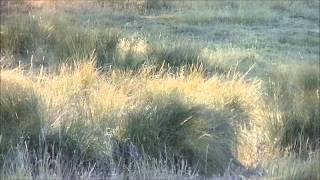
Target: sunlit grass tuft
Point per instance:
(294, 119)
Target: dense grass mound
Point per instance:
(167, 127)
(64, 131)
(20, 114)
(295, 121)
(79, 143)
(178, 55)
(23, 38)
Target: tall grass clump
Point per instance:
(79, 140)
(178, 55)
(68, 131)
(295, 115)
(132, 52)
(106, 47)
(165, 126)
(20, 113)
(225, 59)
(75, 129)
(154, 4)
(22, 36)
(78, 45)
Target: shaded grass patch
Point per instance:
(20, 113)
(164, 126)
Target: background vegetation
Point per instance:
(147, 89)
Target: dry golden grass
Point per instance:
(208, 81)
(121, 91)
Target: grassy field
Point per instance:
(147, 89)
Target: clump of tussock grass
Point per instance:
(77, 45)
(79, 140)
(294, 167)
(226, 59)
(68, 130)
(165, 126)
(20, 113)
(106, 46)
(177, 55)
(22, 36)
(227, 94)
(76, 129)
(294, 121)
(154, 4)
(132, 52)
